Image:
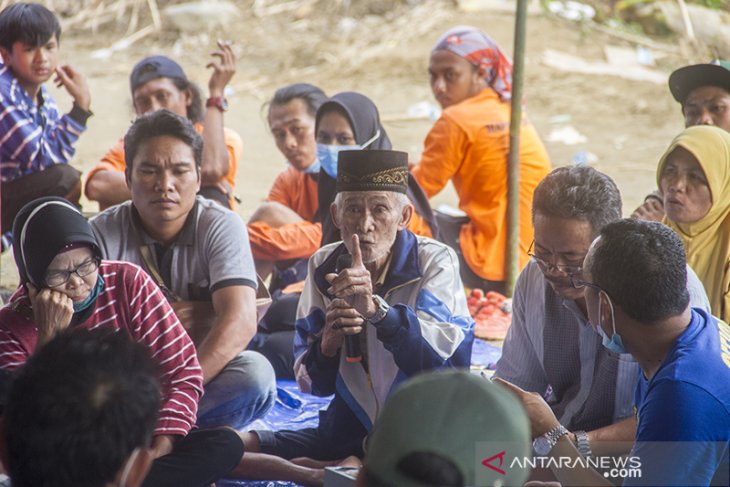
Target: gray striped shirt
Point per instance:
(552, 349)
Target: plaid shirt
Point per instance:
(32, 138)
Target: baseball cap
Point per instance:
(154, 67)
(686, 79)
(452, 419)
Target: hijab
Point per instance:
(365, 123)
(363, 116)
(364, 120)
(44, 228)
(482, 52)
(707, 241)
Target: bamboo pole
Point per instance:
(512, 261)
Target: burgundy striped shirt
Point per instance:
(132, 302)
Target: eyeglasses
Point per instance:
(580, 283)
(57, 278)
(564, 268)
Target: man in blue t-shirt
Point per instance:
(687, 400)
(635, 280)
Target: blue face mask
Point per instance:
(314, 167)
(613, 344)
(327, 154)
(327, 157)
(92, 295)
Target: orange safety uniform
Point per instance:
(113, 160)
(298, 191)
(419, 225)
(469, 145)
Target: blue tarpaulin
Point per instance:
(294, 410)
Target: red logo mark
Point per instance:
(488, 463)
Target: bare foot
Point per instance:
(316, 467)
(312, 463)
(351, 462)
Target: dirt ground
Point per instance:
(627, 123)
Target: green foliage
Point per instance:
(716, 4)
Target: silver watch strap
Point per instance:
(556, 433)
(381, 311)
(584, 446)
(546, 442)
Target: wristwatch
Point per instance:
(381, 309)
(219, 102)
(543, 444)
(584, 446)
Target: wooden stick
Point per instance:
(129, 40)
(624, 36)
(152, 4)
(687, 21)
(133, 18)
(263, 11)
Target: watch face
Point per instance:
(542, 446)
(224, 104)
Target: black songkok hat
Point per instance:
(372, 170)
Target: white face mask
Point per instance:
(128, 467)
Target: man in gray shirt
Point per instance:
(197, 251)
(551, 348)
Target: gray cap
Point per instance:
(455, 421)
(154, 67)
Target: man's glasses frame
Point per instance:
(570, 270)
(579, 283)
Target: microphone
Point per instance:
(352, 342)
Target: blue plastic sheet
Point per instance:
(254, 483)
(295, 410)
(484, 354)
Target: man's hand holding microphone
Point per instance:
(346, 315)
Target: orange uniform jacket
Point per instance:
(469, 145)
(113, 160)
(298, 191)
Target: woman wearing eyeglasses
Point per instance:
(66, 285)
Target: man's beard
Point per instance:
(375, 257)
